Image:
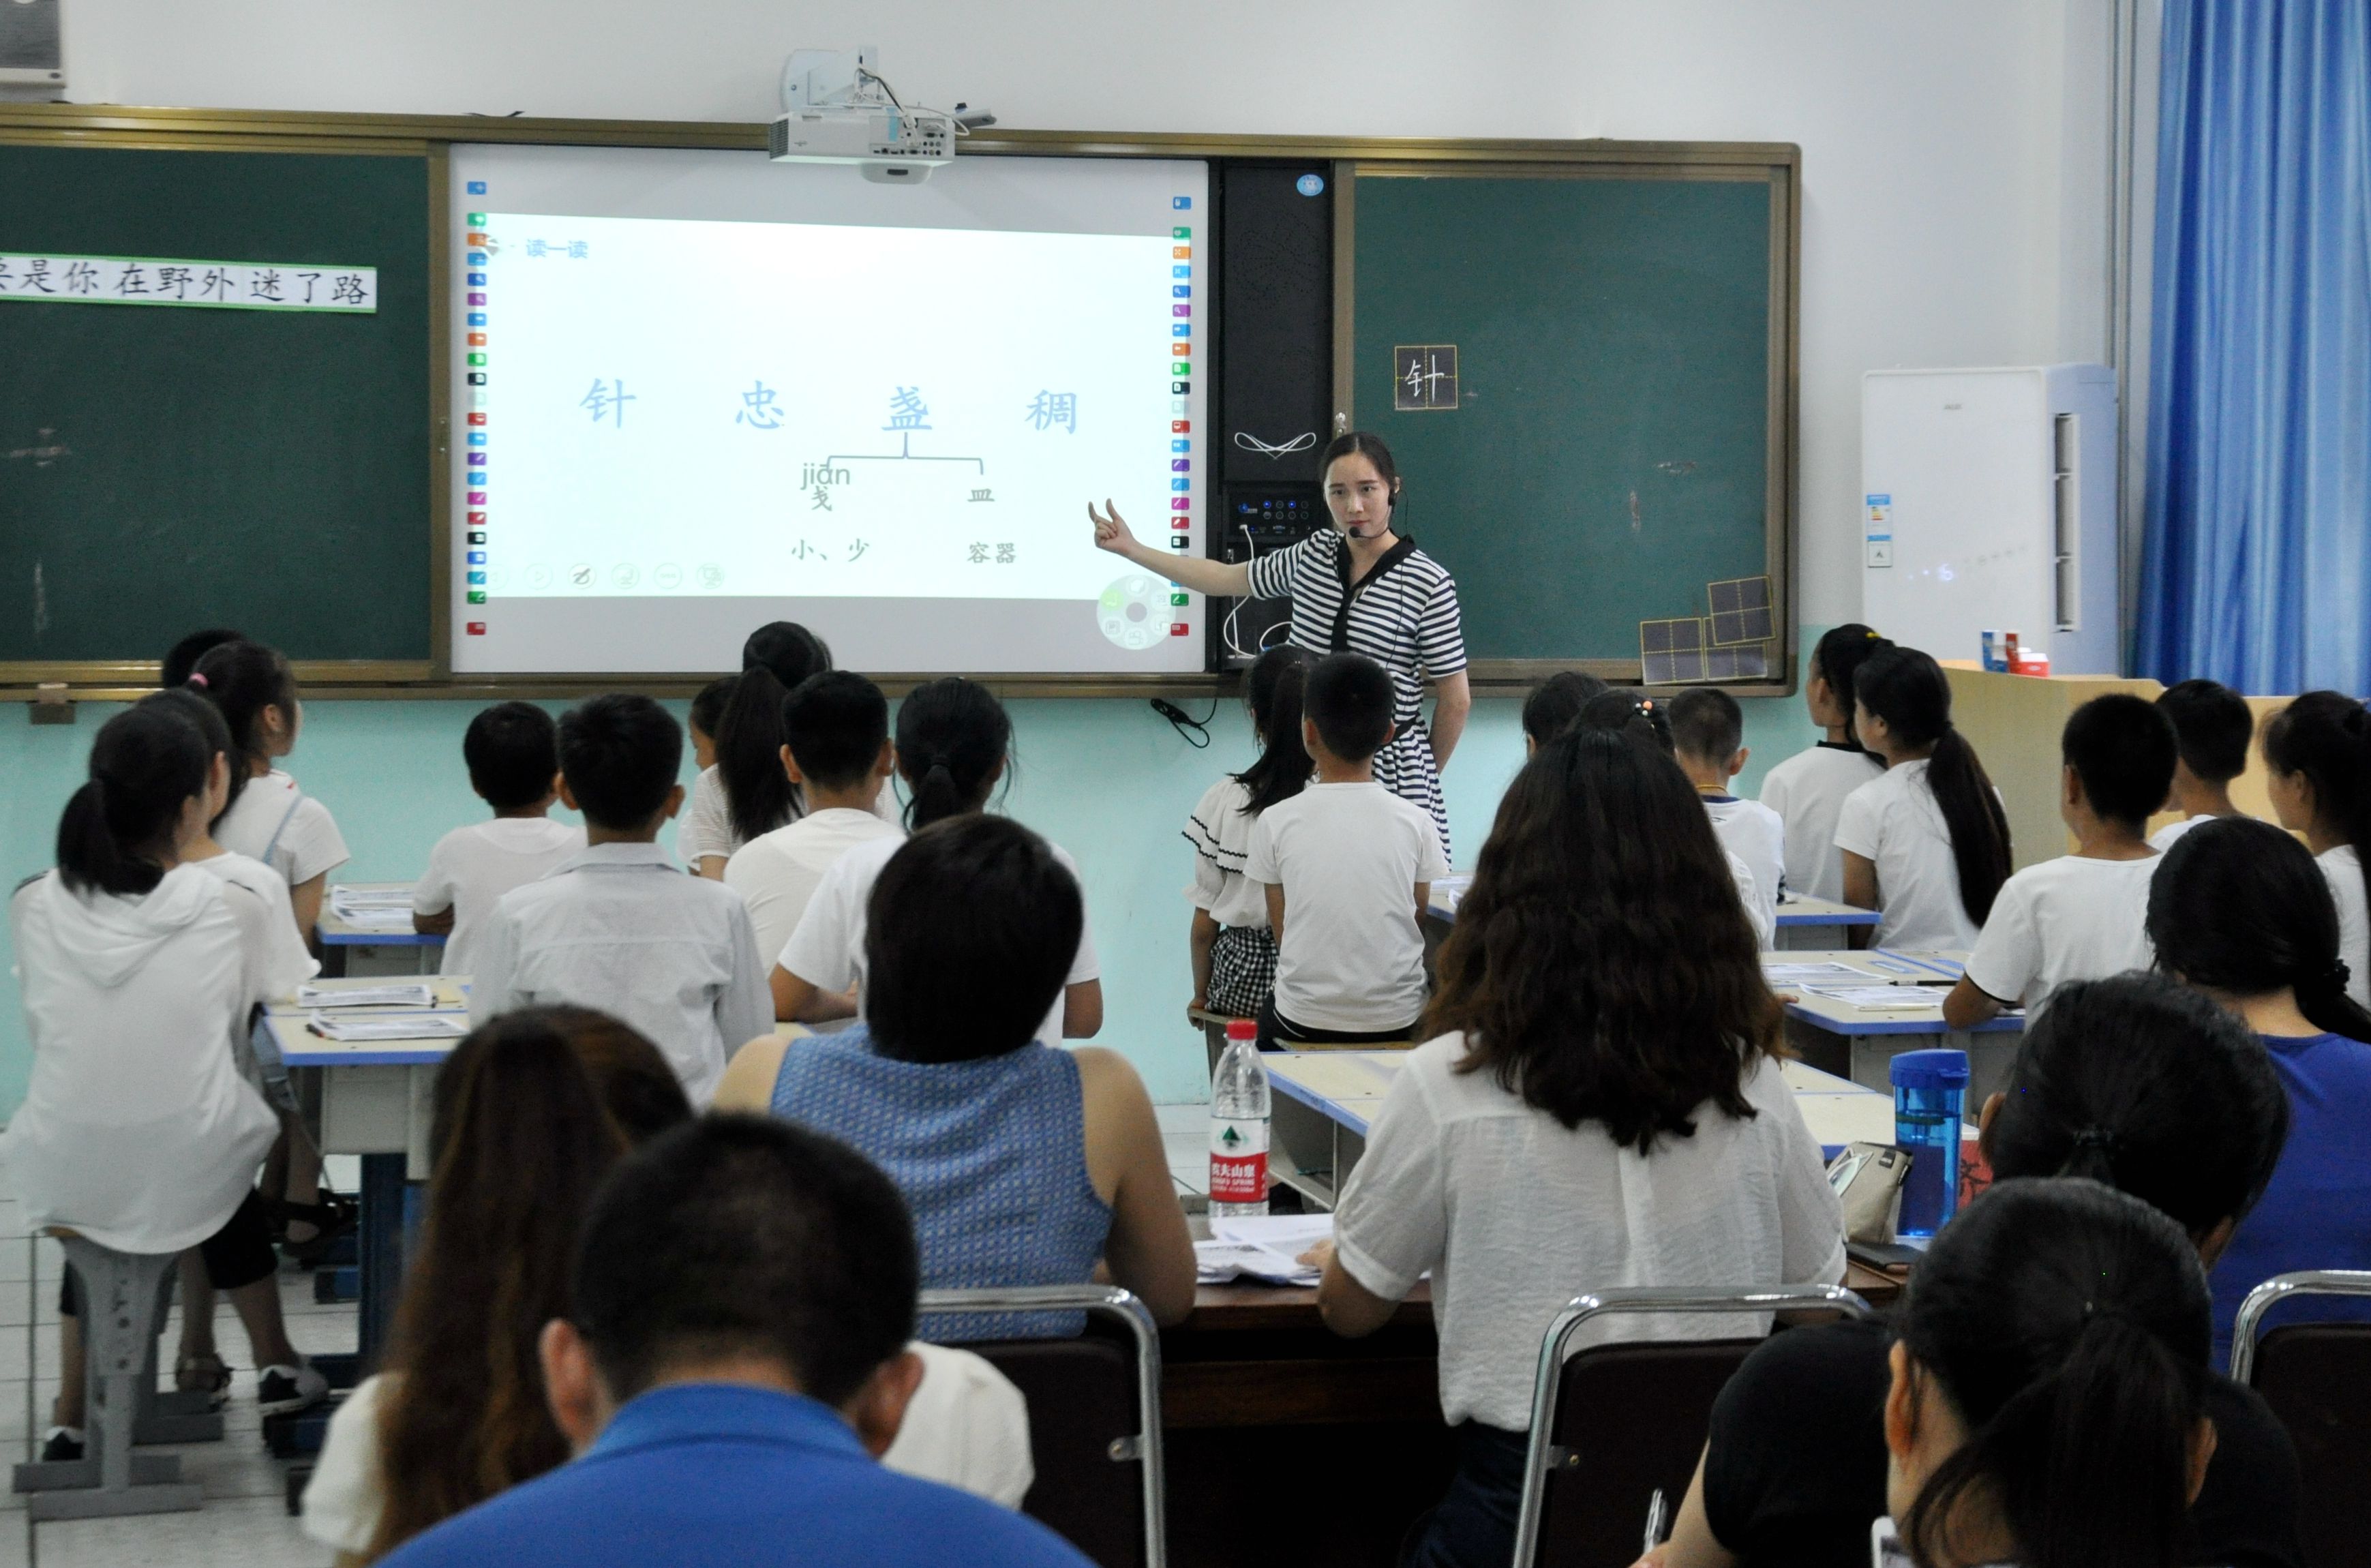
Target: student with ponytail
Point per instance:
(2318, 752)
(1230, 947)
(747, 792)
(1808, 789)
(268, 818)
(954, 742)
(2136, 1081)
(2240, 911)
(1926, 843)
(139, 972)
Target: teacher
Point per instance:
(1358, 588)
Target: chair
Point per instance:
(2317, 1377)
(1094, 1416)
(1623, 1421)
(124, 1297)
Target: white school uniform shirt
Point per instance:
(471, 867)
(1221, 832)
(2346, 876)
(2071, 918)
(707, 825)
(137, 1129)
(274, 821)
(776, 873)
(1808, 792)
(2163, 837)
(287, 962)
(967, 1426)
(1515, 1214)
(1752, 833)
(1894, 820)
(622, 929)
(1348, 857)
(826, 950)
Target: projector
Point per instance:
(837, 110)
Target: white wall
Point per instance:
(1954, 160)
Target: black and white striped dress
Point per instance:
(1403, 614)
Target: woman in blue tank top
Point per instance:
(1023, 1164)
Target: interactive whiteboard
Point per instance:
(696, 391)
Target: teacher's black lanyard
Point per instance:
(1340, 641)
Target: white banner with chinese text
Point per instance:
(220, 286)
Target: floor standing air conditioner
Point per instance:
(1989, 504)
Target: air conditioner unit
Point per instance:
(32, 53)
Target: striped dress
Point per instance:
(1403, 614)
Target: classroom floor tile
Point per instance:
(239, 1532)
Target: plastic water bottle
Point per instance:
(1238, 1126)
(1930, 1090)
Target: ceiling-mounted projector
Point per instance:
(837, 108)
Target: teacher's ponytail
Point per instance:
(1909, 691)
(146, 763)
(952, 738)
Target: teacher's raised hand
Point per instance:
(1202, 575)
(1111, 532)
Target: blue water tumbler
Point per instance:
(1930, 1090)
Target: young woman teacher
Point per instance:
(1358, 588)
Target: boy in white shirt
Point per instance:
(620, 927)
(1348, 865)
(836, 748)
(2212, 726)
(513, 753)
(1708, 743)
(2081, 916)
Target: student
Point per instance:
(1345, 866)
(183, 656)
(707, 709)
(1231, 952)
(1554, 706)
(269, 819)
(954, 742)
(1648, 722)
(2240, 911)
(1627, 1124)
(837, 755)
(1808, 789)
(1926, 843)
(513, 753)
(2129, 1081)
(745, 793)
(733, 1356)
(2214, 725)
(618, 926)
(1022, 1163)
(138, 973)
(1708, 743)
(2318, 771)
(2079, 917)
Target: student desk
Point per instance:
(348, 948)
(1836, 1034)
(1808, 923)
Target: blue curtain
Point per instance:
(2256, 553)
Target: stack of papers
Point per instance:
(1264, 1248)
(1450, 890)
(1802, 973)
(411, 994)
(1881, 999)
(372, 908)
(430, 1026)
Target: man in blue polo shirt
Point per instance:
(744, 1294)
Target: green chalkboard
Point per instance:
(1613, 444)
(164, 469)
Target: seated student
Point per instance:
(183, 656)
(953, 740)
(1626, 1126)
(744, 792)
(513, 753)
(1926, 843)
(2214, 724)
(1024, 1163)
(139, 972)
(618, 926)
(2079, 917)
(1708, 743)
(1231, 952)
(2236, 911)
(1808, 789)
(1554, 706)
(1648, 722)
(707, 710)
(2128, 1081)
(2318, 771)
(1345, 867)
(732, 1359)
(836, 754)
(531, 1112)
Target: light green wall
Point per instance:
(1107, 779)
